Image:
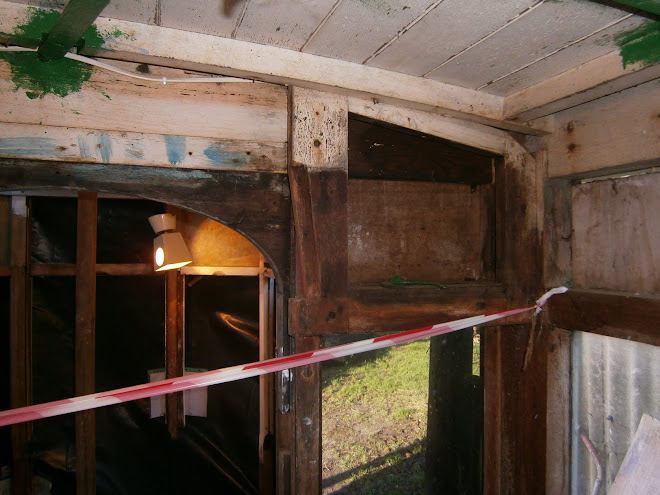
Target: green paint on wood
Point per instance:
(640, 45)
(652, 6)
(38, 77)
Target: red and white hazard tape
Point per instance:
(168, 386)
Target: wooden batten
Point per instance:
(20, 342)
(85, 340)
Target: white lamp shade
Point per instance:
(170, 252)
(162, 222)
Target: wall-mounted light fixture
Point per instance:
(170, 250)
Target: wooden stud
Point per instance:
(85, 341)
(266, 384)
(20, 332)
(174, 325)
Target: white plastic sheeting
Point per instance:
(614, 382)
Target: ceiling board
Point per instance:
(358, 28)
(541, 32)
(206, 17)
(593, 47)
(445, 31)
(274, 22)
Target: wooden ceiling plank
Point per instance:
(170, 47)
(372, 23)
(272, 23)
(546, 29)
(589, 48)
(446, 31)
(594, 79)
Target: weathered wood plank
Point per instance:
(308, 420)
(111, 102)
(378, 151)
(478, 136)
(616, 234)
(374, 308)
(572, 55)
(558, 442)
(85, 340)
(174, 341)
(615, 314)
(444, 28)
(580, 84)
(212, 54)
(515, 403)
(224, 196)
(318, 175)
(20, 339)
(389, 235)
(558, 232)
(616, 130)
(375, 24)
(135, 148)
(553, 23)
(272, 23)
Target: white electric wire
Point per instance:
(164, 80)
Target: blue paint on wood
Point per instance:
(219, 155)
(83, 146)
(176, 149)
(30, 146)
(105, 147)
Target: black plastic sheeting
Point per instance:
(135, 454)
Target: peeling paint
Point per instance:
(29, 146)
(220, 156)
(105, 147)
(58, 77)
(640, 45)
(176, 149)
(83, 146)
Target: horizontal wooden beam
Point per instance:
(374, 308)
(194, 51)
(587, 82)
(75, 144)
(615, 314)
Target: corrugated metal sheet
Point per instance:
(614, 382)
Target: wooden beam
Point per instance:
(85, 340)
(597, 78)
(558, 232)
(266, 384)
(212, 54)
(615, 314)
(318, 171)
(614, 132)
(174, 339)
(319, 191)
(20, 337)
(265, 222)
(76, 144)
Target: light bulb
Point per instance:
(160, 256)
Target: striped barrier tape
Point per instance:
(168, 386)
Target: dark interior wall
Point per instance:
(5, 447)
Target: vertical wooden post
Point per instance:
(20, 333)
(266, 384)
(174, 341)
(85, 341)
(454, 419)
(318, 176)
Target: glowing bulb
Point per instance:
(160, 256)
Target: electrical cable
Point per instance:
(164, 80)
